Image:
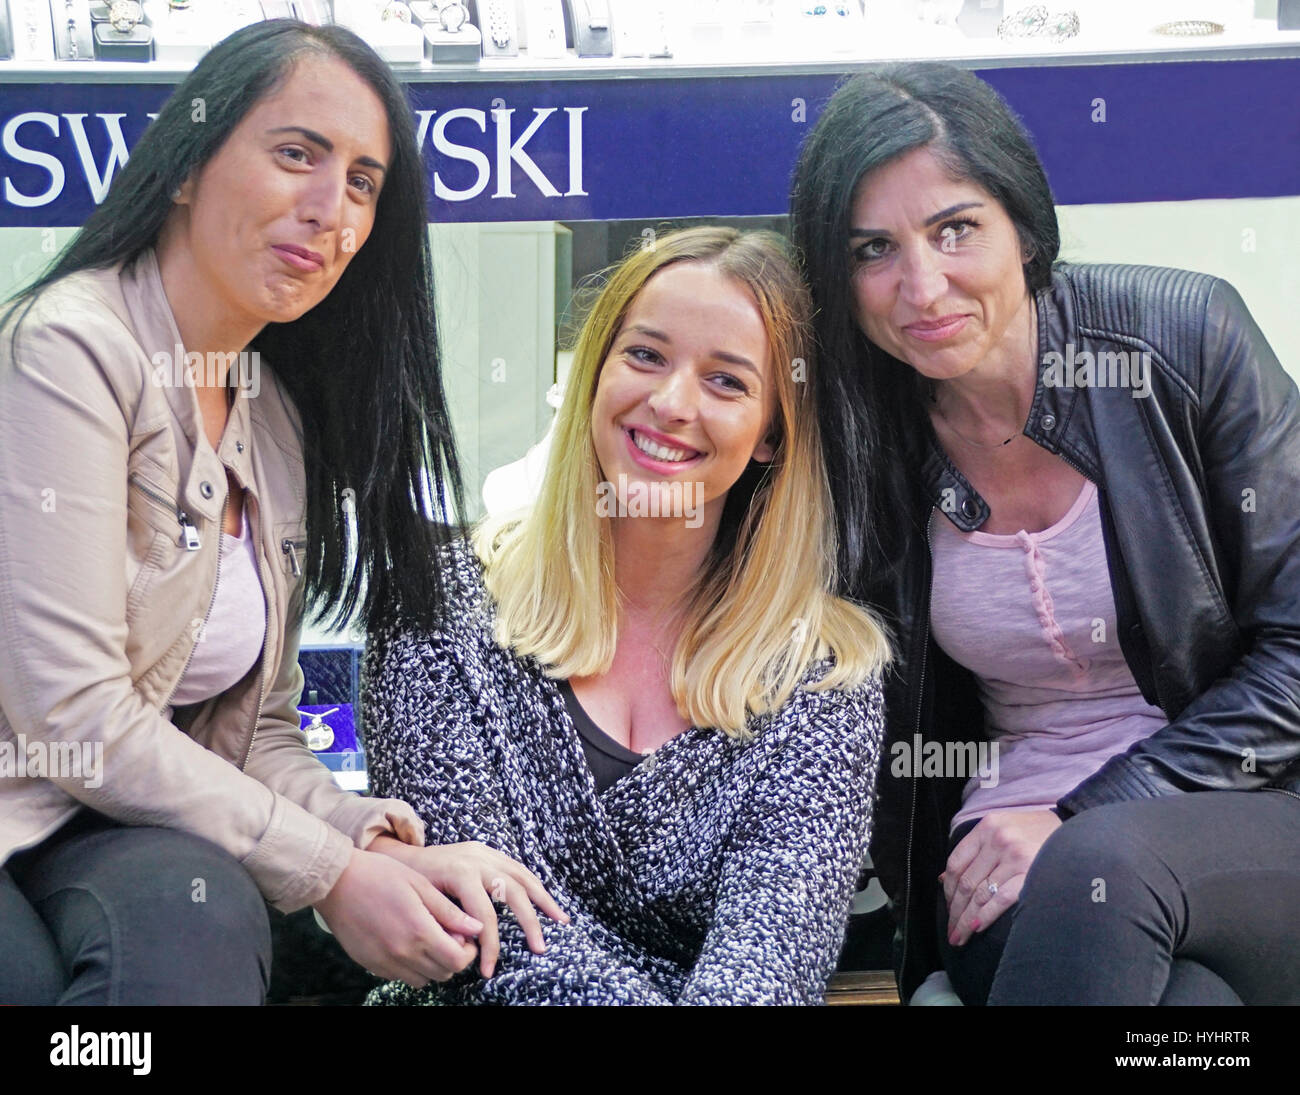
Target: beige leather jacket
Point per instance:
(105, 474)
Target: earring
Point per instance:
(176, 194)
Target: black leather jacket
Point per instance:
(1199, 491)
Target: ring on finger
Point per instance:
(992, 887)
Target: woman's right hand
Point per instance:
(396, 924)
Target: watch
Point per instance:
(498, 26)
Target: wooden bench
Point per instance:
(861, 987)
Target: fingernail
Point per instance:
(976, 925)
(473, 924)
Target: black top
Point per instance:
(608, 760)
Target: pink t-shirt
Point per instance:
(1032, 615)
(231, 641)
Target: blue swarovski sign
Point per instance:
(718, 146)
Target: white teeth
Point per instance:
(659, 452)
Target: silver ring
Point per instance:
(453, 16)
(992, 888)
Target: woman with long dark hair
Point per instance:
(1071, 489)
(222, 407)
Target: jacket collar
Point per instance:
(160, 338)
(1059, 419)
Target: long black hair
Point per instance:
(870, 402)
(362, 367)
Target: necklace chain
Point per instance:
(934, 396)
(974, 444)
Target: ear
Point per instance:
(765, 450)
(184, 194)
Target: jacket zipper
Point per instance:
(211, 601)
(266, 630)
(1125, 606)
(291, 549)
(189, 537)
(920, 701)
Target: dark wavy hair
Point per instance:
(870, 402)
(362, 367)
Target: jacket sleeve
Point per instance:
(65, 677)
(1244, 730)
(424, 746)
(793, 857)
(280, 759)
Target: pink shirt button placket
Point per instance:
(1043, 606)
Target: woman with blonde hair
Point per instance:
(643, 688)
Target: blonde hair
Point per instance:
(757, 618)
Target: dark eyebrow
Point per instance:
(720, 355)
(943, 214)
(326, 143)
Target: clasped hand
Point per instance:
(390, 912)
(987, 869)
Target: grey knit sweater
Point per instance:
(715, 872)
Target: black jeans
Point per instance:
(1186, 899)
(102, 913)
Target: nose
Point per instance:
(923, 280)
(673, 397)
(321, 200)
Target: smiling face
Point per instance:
(937, 278)
(686, 393)
(275, 216)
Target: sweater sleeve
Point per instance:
(793, 857)
(425, 745)
(578, 968)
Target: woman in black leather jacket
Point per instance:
(1072, 490)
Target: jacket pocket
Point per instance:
(293, 552)
(166, 592)
(162, 511)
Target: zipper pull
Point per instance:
(286, 546)
(189, 538)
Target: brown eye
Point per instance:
(871, 250)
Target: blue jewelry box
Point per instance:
(330, 709)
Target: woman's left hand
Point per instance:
(476, 876)
(987, 868)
